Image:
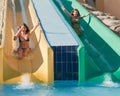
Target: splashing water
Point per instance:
(108, 81)
(25, 82)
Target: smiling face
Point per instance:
(75, 13)
(23, 28)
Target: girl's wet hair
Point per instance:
(75, 10)
(27, 28)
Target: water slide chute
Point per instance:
(102, 54)
(39, 63)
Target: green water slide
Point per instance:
(102, 54)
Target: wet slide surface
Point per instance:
(55, 29)
(101, 53)
(13, 67)
(11, 45)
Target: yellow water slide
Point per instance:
(39, 63)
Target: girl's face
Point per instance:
(75, 13)
(23, 28)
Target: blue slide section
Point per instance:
(57, 33)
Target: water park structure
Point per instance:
(57, 52)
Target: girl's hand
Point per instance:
(63, 8)
(15, 37)
(37, 24)
(89, 13)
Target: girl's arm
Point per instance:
(34, 28)
(17, 34)
(65, 10)
(84, 15)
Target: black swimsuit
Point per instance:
(21, 39)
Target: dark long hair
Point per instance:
(27, 28)
(75, 10)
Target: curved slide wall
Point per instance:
(39, 63)
(102, 46)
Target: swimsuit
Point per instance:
(76, 24)
(22, 41)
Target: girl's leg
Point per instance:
(20, 53)
(26, 52)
